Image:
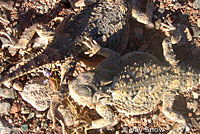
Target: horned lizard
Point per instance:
(134, 84)
(105, 21)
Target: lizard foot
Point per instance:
(92, 45)
(67, 114)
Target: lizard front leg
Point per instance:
(167, 43)
(106, 69)
(168, 100)
(108, 117)
(43, 31)
(141, 17)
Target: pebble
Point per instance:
(135, 119)
(155, 117)
(196, 4)
(17, 4)
(39, 115)
(31, 115)
(14, 109)
(157, 24)
(193, 106)
(189, 114)
(39, 43)
(117, 132)
(1, 67)
(25, 110)
(168, 126)
(24, 127)
(195, 95)
(161, 10)
(18, 86)
(46, 125)
(10, 121)
(149, 121)
(7, 92)
(4, 107)
(12, 51)
(177, 5)
(37, 93)
(196, 31)
(198, 22)
(8, 84)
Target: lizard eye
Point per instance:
(81, 93)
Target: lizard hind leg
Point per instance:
(168, 100)
(108, 117)
(55, 114)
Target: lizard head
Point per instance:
(82, 89)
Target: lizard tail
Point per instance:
(49, 55)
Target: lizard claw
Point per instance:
(167, 27)
(92, 45)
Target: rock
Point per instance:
(4, 107)
(5, 129)
(196, 4)
(7, 92)
(18, 86)
(37, 93)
